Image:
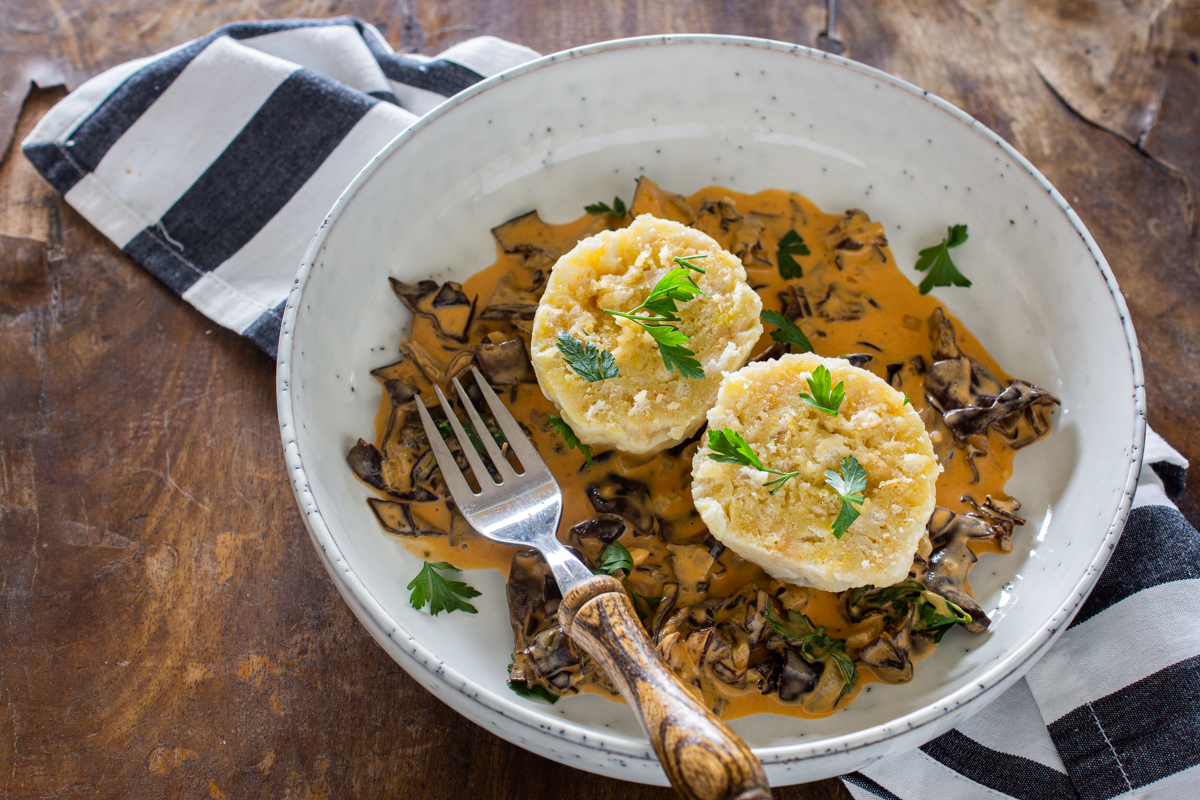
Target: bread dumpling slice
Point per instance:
(790, 533)
(646, 407)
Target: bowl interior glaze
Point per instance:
(690, 111)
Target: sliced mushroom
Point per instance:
(725, 662)
(447, 306)
(526, 593)
(606, 527)
(970, 397)
(629, 499)
(842, 304)
(952, 558)
(550, 651)
(648, 198)
(889, 655)
(859, 360)
(795, 303)
(776, 350)
(397, 518)
(528, 233)
(797, 677)
(509, 311)
(1016, 398)
(367, 462)
(505, 363)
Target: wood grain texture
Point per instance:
(704, 759)
(167, 630)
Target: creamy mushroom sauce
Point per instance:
(710, 621)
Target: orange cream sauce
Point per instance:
(869, 307)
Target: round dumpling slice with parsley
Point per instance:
(636, 329)
(817, 471)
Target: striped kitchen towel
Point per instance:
(212, 164)
(1113, 710)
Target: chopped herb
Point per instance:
(936, 259)
(686, 261)
(788, 333)
(644, 606)
(849, 486)
(616, 210)
(935, 614)
(905, 403)
(677, 286)
(825, 396)
(431, 588)
(443, 425)
(571, 439)
(536, 692)
(728, 447)
(587, 360)
(814, 644)
(791, 245)
(615, 557)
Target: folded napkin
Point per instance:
(212, 164)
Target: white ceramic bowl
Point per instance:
(689, 111)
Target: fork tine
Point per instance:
(489, 443)
(460, 490)
(517, 440)
(464, 441)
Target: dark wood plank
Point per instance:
(168, 630)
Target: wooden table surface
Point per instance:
(167, 629)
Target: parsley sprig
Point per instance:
(615, 558)
(431, 588)
(814, 644)
(729, 447)
(564, 430)
(617, 209)
(791, 245)
(824, 395)
(677, 286)
(537, 691)
(936, 259)
(788, 333)
(935, 614)
(849, 486)
(587, 360)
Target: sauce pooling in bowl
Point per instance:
(744, 642)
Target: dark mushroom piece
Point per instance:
(648, 198)
(776, 350)
(606, 527)
(509, 311)
(505, 363)
(796, 677)
(626, 498)
(889, 655)
(367, 462)
(950, 563)
(397, 518)
(529, 233)
(447, 306)
(859, 360)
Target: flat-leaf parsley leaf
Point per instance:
(729, 447)
(587, 360)
(825, 396)
(849, 486)
(936, 259)
(615, 557)
(791, 245)
(677, 286)
(616, 210)
(431, 588)
(788, 333)
(571, 439)
(814, 644)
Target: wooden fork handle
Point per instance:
(704, 759)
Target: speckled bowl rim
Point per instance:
(371, 612)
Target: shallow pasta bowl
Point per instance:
(690, 111)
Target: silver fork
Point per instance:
(703, 758)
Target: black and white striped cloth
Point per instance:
(212, 164)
